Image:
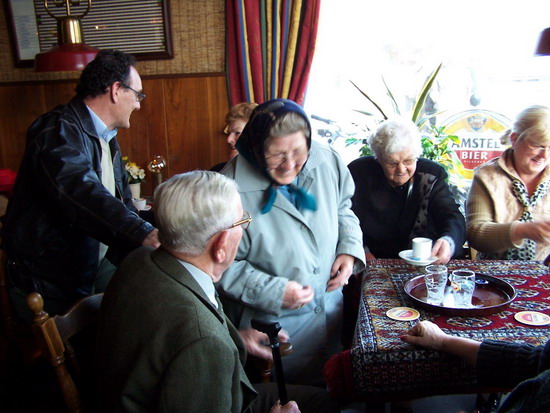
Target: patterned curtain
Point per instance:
(269, 48)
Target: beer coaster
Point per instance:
(532, 318)
(403, 314)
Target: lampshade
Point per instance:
(70, 56)
(71, 53)
(543, 47)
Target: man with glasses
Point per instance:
(71, 218)
(164, 341)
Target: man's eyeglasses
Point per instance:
(139, 96)
(395, 164)
(245, 222)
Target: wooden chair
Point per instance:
(21, 343)
(54, 335)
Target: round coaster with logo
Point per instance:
(403, 314)
(532, 318)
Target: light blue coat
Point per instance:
(287, 244)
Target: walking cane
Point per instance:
(272, 331)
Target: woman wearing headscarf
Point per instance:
(305, 241)
(508, 208)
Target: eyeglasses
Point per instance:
(139, 96)
(245, 222)
(279, 158)
(395, 164)
(538, 148)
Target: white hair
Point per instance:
(395, 135)
(191, 207)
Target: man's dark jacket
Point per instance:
(60, 209)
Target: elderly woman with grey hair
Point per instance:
(399, 196)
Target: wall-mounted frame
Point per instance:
(141, 28)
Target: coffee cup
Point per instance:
(139, 203)
(421, 248)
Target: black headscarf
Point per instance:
(251, 146)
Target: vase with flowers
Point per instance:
(136, 175)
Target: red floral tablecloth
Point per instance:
(380, 366)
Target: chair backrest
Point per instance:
(54, 335)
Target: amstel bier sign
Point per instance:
(479, 132)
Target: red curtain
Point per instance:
(269, 48)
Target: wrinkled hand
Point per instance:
(538, 231)
(441, 250)
(152, 239)
(296, 295)
(340, 272)
(256, 342)
(425, 334)
(290, 407)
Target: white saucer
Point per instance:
(146, 208)
(407, 256)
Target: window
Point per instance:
(486, 48)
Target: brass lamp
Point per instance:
(543, 47)
(71, 53)
(156, 166)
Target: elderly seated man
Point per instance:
(164, 342)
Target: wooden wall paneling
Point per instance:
(195, 111)
(177, 119)
(202, 136)
(219, 106)
(20, 105)
(192, 106)
(58, 93)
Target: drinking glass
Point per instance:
(436, 280)
(463, 283)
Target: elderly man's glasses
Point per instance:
(139, 96)
(245, 222)
(394, 164)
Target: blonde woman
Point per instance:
(508, 209)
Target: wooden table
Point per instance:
(380, 367)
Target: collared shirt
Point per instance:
(107, 171)
(101, 129)
(204, 280)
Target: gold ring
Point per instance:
(300, 307)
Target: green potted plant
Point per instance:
(436, 143)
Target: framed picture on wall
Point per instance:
(141, 28)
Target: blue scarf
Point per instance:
(302, 198)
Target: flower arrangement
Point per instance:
(136, 175)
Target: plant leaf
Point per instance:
(419, 105)
(394, 102)
(370, 100)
